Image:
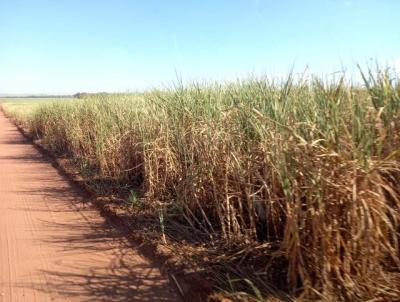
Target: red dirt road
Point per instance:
(53, 247)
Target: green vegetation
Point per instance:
(22, 108)
(290, 187)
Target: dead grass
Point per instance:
(289, 188)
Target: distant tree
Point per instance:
(80, 95)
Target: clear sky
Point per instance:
(66, 46)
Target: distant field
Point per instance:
(289, 186)
(21, 108)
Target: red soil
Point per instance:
(55, 247)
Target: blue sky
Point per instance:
(66, 46)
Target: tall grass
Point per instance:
(304, 174)
(22, 108)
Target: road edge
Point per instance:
(190, 285)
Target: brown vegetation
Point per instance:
(287, 187)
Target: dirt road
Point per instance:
(53, 247)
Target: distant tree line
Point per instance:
(82, 95)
